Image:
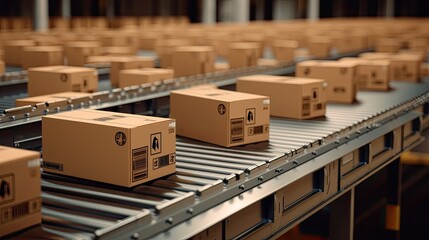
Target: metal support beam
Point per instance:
(41, 15)
(209, 12)
(313, 10)
(110, 9)
(393, 207)
(65, 9)
(284, 9)
(390, 8)
(260, 10)
(164, 7)
(242, 9)
(342, 217)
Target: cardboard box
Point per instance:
(340, 76)
(268, 62)
(221, 117)
(13, 51)
(164, 49)
(130, 149)
(221, 66)
(2, 67)
(55, 79)
(118, 51)
(284, 50)
(424, 70)
(371, 74)
(40, 56)
(139, 76)
(193, 60)
(376, 56)
(100, 59)
(405, 67)
(243, 54)
(319, 47)
(300, 98)
(131, 62)
(20, 188)
(50, 98)
(390, 45)
(77, 52)
(122, 39)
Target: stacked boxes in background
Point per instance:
(40, 56)
(55, 79)
(405, 67)
(284, 50)
(220, 117)
(290, 97)
(164, 49)
(340, 76)
(2, 67)
(131, 62)
(130, 150)
(77, 52)
(13, 51)
(193, 60)
(319, 47)
(139, 76)
(20, 190)
(243, 54)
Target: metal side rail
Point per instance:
(213, 184)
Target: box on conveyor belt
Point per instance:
(100, 59)
(55, 79)
(164, 49)
(20, 190)
(130, 62)
(50, 98)
(376, 55)
(13, 51)
(390, 45)
(284, 50)
(405, 67)
(130, 77)
(371, 74)
(290, 97)
(340, 76)
(77, 52)
(319, 46)
(2, 67)
(221, 66)
(424, 70)
(268, 62)
(130, 149)
(243, 54)
(40, 56)
(193, 60)
(118, 51)
(221, 117)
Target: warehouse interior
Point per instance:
(214, 119)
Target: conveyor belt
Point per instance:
(206, 174)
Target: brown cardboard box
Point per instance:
(2, 67)
(319, 47)
(193, 60)
(130, 150)
(268, 62)
(418, 44)
(164, 49)
(40, 56)
(390, 45)
(148, 40)
(376, 56)
(1, 54)
(291, 97)
(77, 52)
(13, 51)
(221, 66)
(424, 70)
(55, 79)
(49, 98)
(118, 51)
(130, 77)
(20, 200)
(405, 67)
(371, 74)
(221, 117)
(243, 54)
(100, 59)
(131, 62)
(284, 50)
(340, 76)
(121, 39)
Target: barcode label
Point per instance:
(237, 130)
(13, 212)
(139, 165)
(163, 161)
(305, 106)
(257, 130)
(53, 166)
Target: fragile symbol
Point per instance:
(155, 143)
(221, 109)
(250, 116)
(120, 138)
(4, 189)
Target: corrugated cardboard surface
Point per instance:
(20, 189)
(115, 148)
(42, 56)
(131, 62)
(193, 60)
(55, 79)
(139, 76)
(220, 117)
(300, 98)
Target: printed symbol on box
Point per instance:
(120, 138)
(306, 71)
(221, 109)
(172, 158)
(6, 188)
(374, 75)
(250, 116)
(343, 70)
(155, 143)
(63, 77)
